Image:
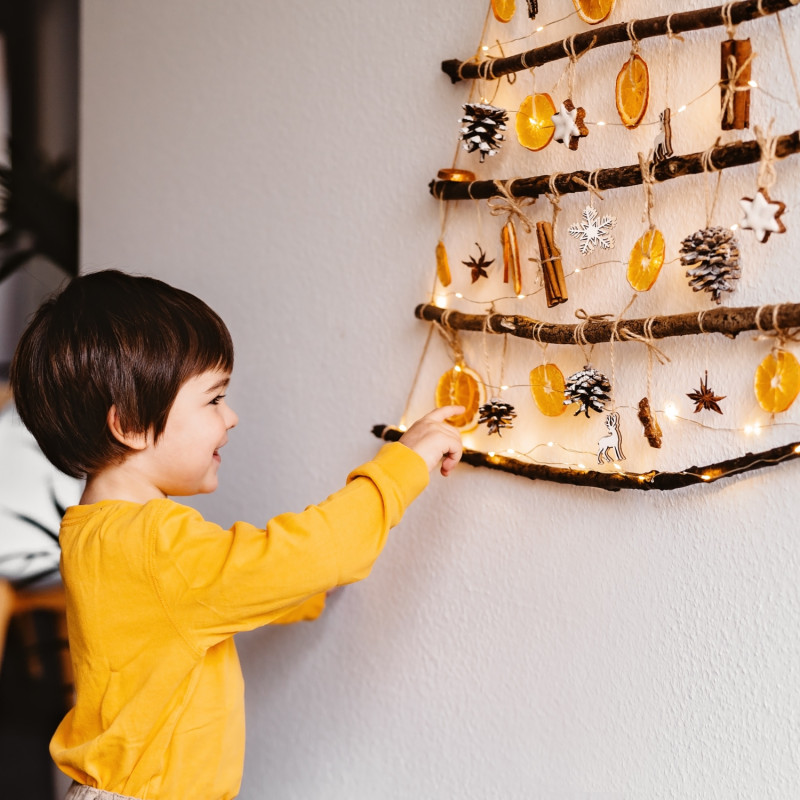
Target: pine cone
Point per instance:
(482, 129)
(589, 388)
(713, 254)
(497, 414)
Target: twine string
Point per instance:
(414, 382)
(767, 174)
(510, 205)
(788, 55)
(632, 37)
(709, 166)
(580, 330)
(568, 46)
(670, 38)
(727, 19)
(615, 334)
(781, 335)
(554, 196)
(647, 169)
(590, 184)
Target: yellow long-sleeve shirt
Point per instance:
(154, 596)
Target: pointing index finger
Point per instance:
(445, 412)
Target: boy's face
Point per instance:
(185, 459)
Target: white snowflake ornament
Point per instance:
(594, 232)
(761, 215)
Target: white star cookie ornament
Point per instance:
(569, 127)
(761, 215)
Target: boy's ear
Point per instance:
(135, 441)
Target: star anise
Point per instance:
(478, 266)
(705, 397)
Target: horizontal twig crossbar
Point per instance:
(723, 157)
(614, 481)
(682, 22)
(724, 320)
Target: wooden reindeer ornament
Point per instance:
(612, 441)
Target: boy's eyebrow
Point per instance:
(220, 384)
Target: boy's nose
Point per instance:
(233, 418)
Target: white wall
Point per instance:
(517, 639)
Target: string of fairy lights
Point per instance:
(545, 452)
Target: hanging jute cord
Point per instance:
(511, 206)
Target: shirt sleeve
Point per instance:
(215, 582)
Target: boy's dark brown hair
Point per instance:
(110, 339)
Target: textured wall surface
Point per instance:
(517, 639)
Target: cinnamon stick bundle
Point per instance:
(736, 58)
(555, 287)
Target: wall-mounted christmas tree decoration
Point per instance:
(710, 257)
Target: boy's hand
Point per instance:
(433, 439)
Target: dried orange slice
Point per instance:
(442, 265)
(461, 386)
(547, 388)
(633, 91)
(503, 10)
(777, 381)
(593, 11)
(646, 260)
(535, 126)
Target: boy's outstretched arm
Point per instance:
(436, 441)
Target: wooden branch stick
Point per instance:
(612, 34)
(614, 481)
(725, 320)
(736, 154)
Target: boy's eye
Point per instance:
(215, 401)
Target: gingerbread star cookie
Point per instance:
(762, 215)
(569, 125)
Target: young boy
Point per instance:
(122, 381)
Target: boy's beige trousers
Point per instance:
(79, 792)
